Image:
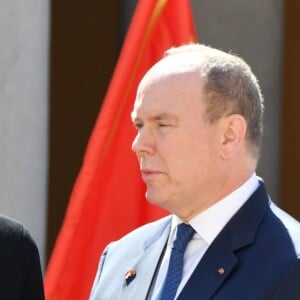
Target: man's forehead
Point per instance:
(153, 106)
(167, 81)
(173, 67)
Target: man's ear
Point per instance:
(233, 135)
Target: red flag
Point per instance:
(108, 199)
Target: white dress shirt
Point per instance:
(208, 224)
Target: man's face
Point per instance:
(176, 149)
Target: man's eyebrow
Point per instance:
(158, 117)
(164, 116)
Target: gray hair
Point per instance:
(230, 88)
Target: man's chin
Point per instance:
(156, 199)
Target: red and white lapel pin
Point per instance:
(130, 275)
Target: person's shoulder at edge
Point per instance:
(14, 231)
(10, 228)
(289, 286)
(291, 224)
(20, 253)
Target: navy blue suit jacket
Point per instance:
(257, 250)
(289, 287)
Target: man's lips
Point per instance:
(148, 174)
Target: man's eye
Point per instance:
(164, 125)
(138, 125)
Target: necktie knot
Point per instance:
(184, 234)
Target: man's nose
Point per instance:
(143, 143)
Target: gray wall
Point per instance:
(24, 113)
(253, 30)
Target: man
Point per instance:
(20, 269)
(198, 114)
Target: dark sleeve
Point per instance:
(20, 268)
(33, 281)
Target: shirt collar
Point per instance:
(209, 223)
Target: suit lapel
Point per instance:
(221, 258)
(146, 263)
(216, 265)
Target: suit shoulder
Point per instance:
(10, 228)
(149, 228)
(127, 251)
(291, 225)
(143, 235)
(13, 232)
